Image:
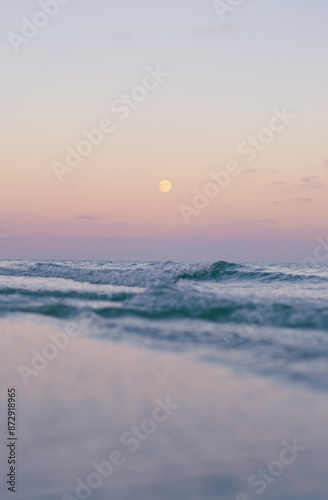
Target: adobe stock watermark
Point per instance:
(122, 106)
(244, 330)
(131, 439)
(223, 7)
(49, 352)
(49, 9)
(266, 476)
(249, 148)
(318, 256)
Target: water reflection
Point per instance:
(227, 426)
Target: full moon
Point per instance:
(165, 186)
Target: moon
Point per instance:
(165, 186)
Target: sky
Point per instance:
(181, 91)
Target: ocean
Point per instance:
(95, 348)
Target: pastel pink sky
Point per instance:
(222, 87)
